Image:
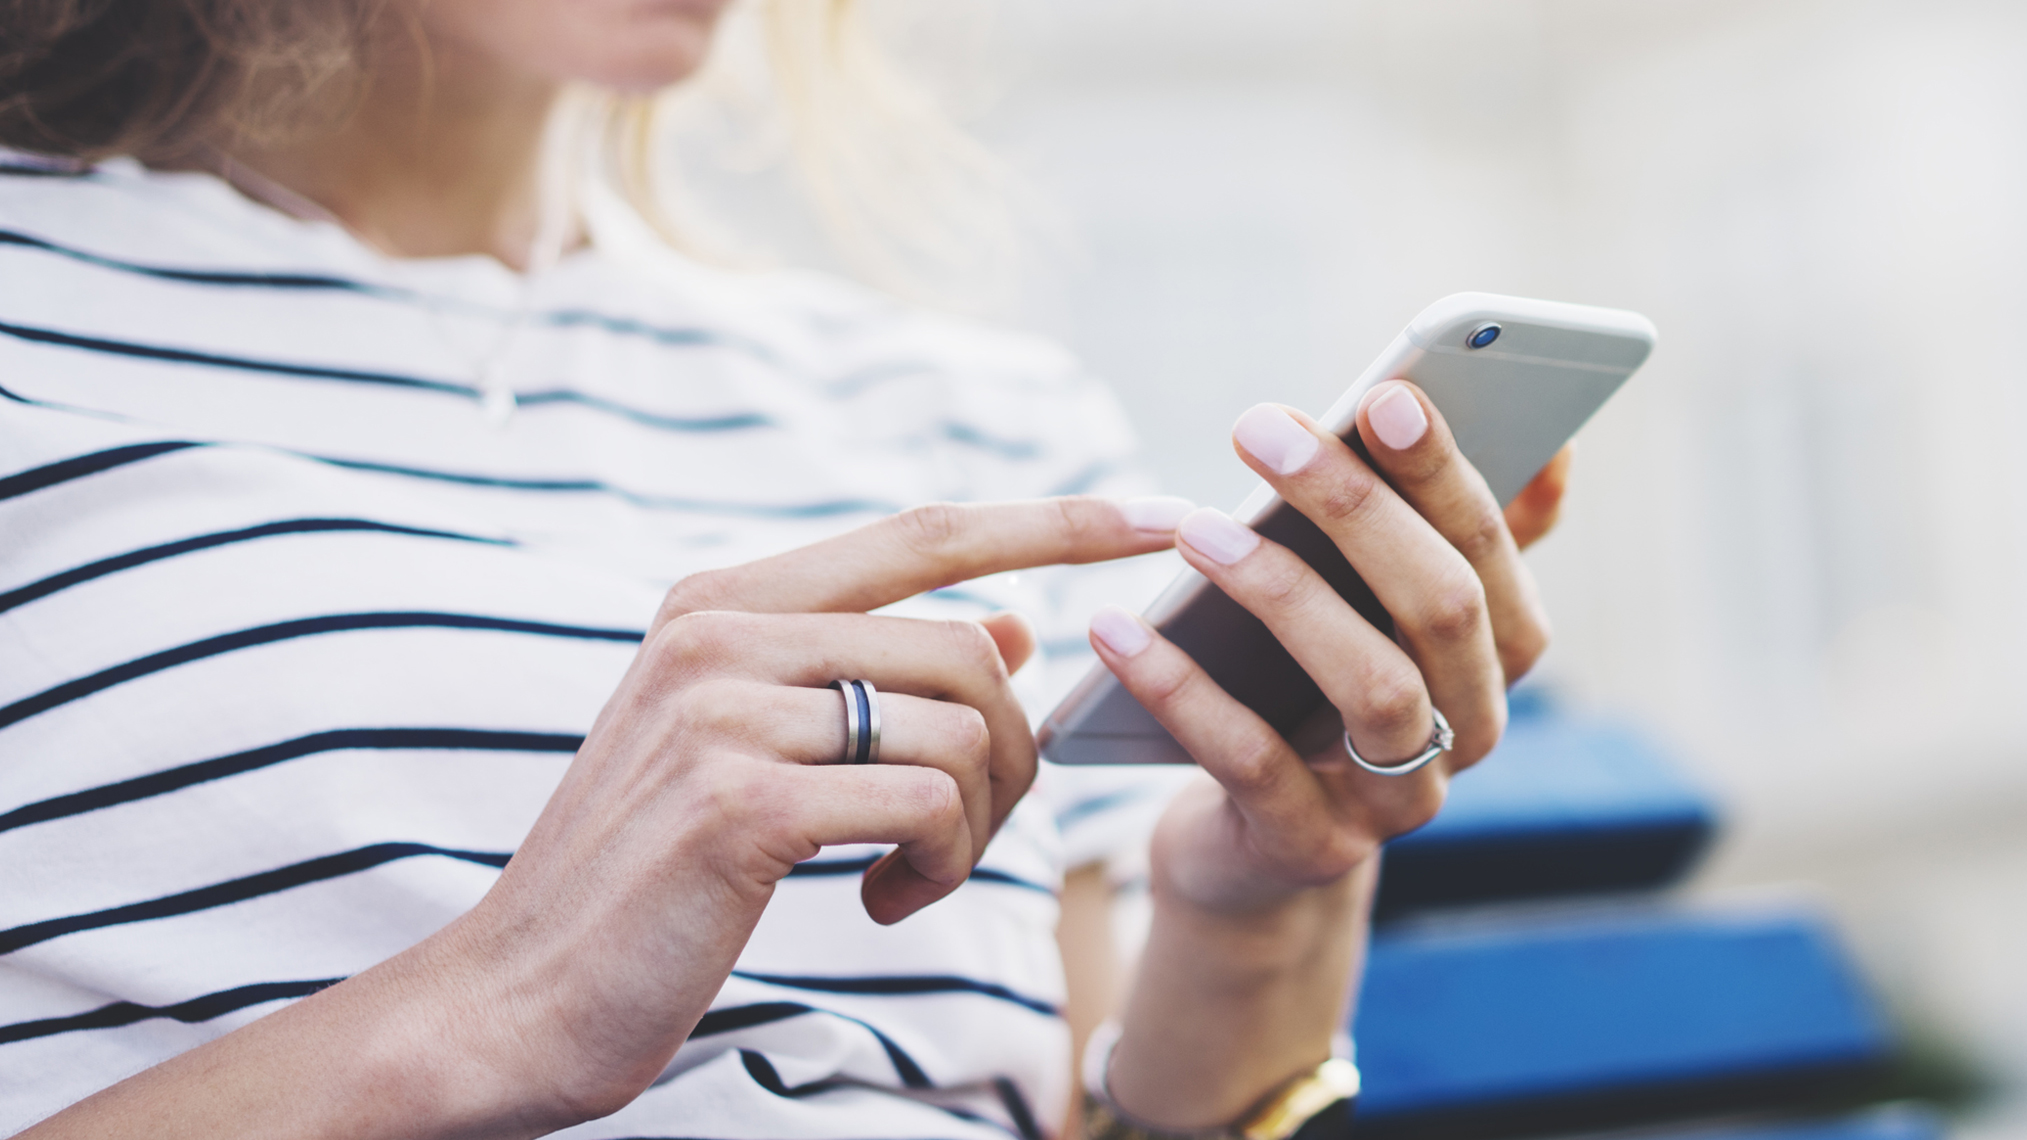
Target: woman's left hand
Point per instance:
(1426, 534)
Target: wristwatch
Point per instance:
(1330, 1088)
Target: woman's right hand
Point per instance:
(714, 769)
(709, 774)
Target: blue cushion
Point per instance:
(1895, 1123)
(1561, 807)
(1606, 1016)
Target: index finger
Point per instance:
(929, 547)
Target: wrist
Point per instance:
(1270, 932)
(1229, 1004)
(453, 1041)
(1282, 1113)
(524, 1030)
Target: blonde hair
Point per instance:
(907, 200)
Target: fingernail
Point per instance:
(1219, 538)
(1397, 417)
(1155, 512)
(1121, 632)
(1272, 436)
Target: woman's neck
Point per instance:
(442, 157)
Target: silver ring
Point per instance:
(862, 722)
(1440, 741)
(872, 725)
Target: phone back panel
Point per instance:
(1510, 404)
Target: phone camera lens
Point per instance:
(1482, 335)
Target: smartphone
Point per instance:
(1514, 378)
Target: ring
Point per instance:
(862, 722)
(1440, 741)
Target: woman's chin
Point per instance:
(669, 49)
(645, 76)
(631, 47)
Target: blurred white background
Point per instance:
(1796, 548)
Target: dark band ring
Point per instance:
(862, 722)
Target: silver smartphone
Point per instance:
(1514, 378)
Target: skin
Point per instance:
(706, 776)
(441, 155)
(1262, 872)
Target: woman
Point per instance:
(342, 479)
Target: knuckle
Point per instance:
(1286, 583)
(700, 591)
(1523, 648)
(1350, 497)
(667, 651)
(935, 797)
(1392, 703)
(931, 530)
(1485, 536)
(1252, 766)
(1455, 612)
(1076, 521)
(1161, 689)
(1477, 739)
(1418, 806)
(976, 650)
(736, 796)
(703, 639)
(970, 739)
(1341, 850)
(1427, 462)
(712, 708)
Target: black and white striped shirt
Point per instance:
(295, 641)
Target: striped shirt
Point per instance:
(295, 639)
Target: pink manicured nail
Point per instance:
(1155, 512)
(1397, 417)
(1219, 538)
(1272, 436)
(1121, 632)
